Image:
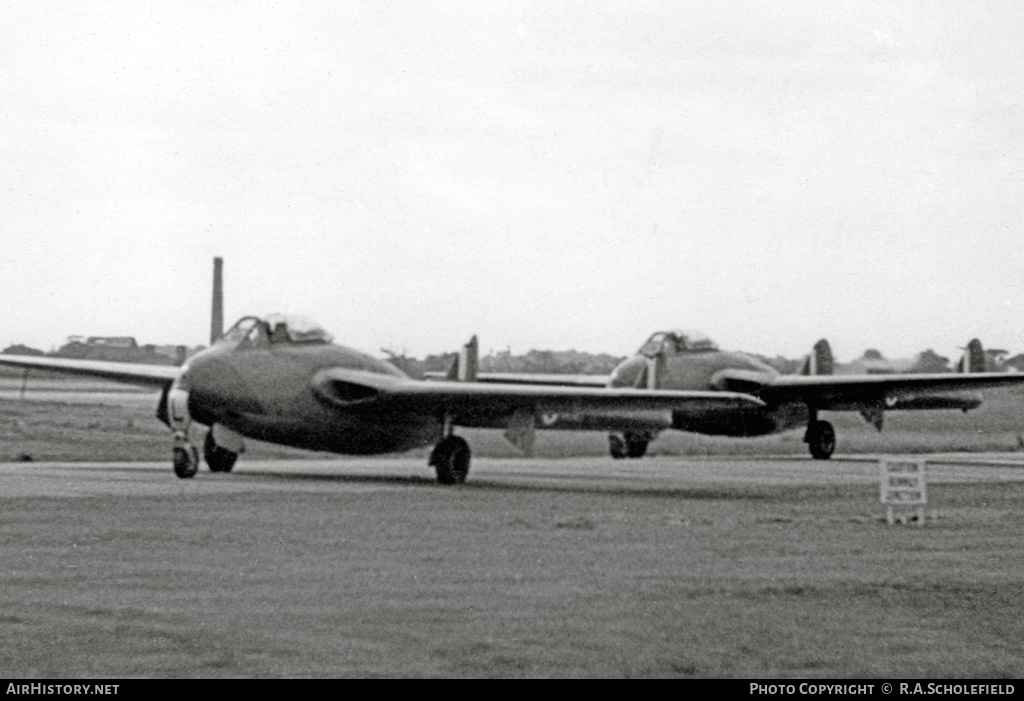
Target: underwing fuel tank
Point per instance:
(964, 401)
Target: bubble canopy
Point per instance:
(277, 328)
(678, 341)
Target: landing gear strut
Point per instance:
(451, 460)
(820, 439)
(185, 458)
(218, 458)
(631, 444)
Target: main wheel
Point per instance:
(451, 460)
(821, 440)
(617, 446)
(186, 461)
(636, 444)
(217, 458)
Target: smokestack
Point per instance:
(217, 313)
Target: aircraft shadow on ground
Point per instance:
(531, 482)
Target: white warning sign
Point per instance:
(903, 485)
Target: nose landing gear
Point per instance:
(185, 457)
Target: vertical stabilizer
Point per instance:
(464, 367)
(469, 361)
(819, 362)
(973, 359)
(217, 313)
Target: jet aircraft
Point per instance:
(690, 361)
(280, 378)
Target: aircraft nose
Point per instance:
(217, 390)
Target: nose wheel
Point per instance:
(185, 459)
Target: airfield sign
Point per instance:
(903, 484)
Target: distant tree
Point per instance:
(872, 354)
(930, 361)
(19, 349)
(402, 361)
(995, 359)
(438, 363)
(1016, 362)
(570, 362)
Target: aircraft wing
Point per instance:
(518, 378)
(847, 392)
(490, 405)
(132, 373)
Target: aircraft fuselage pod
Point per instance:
(678, 360)
(259, 381)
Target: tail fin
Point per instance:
(973, 359)
(819, 361)
(217, 312)
(464, 367)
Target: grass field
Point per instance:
(573, 570)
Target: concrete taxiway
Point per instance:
(402, 473)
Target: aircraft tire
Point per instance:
(617, 446)
(451, 460)
(218, 459)
(636, 444)
(186, 461)
(821, 440)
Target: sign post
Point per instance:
(903, 484)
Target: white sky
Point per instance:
(546, 175)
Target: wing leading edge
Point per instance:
(513, 378)
(841, 392)
(489, 404)
(155, 376)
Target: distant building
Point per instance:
(112, 341)
(123, 349)
(177, 354)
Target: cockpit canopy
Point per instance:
(291, 329)
(677, 341)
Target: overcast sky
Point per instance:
(546, 175)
